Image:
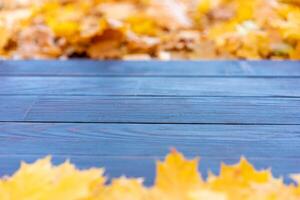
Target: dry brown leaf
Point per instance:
(109, 45)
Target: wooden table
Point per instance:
(124, 115)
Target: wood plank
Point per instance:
(229, 110)
(220, 148)
(19, 142)
(148, 132)
(151, 68)
(145, 167)
(151, 86)
(140, 140)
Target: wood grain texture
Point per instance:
(145, 140)
(217, 148)
(151, 86)
(230, 110)
(124, 115)
(151, 68)
(148, 132)
(132, 149)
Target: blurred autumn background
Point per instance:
(150, 29)
(124, 118)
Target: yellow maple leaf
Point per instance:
(236, 180)
(245, 10)
(177, 177)
(291, 28)
(205, 6)
(65, 19)
(205, 194)
(242, 174)
(67, 24)
(125, 189)
(42, 181)
(142, 25)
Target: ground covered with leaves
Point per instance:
(150, 29)
(176, 179)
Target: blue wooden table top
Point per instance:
(125, 115)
